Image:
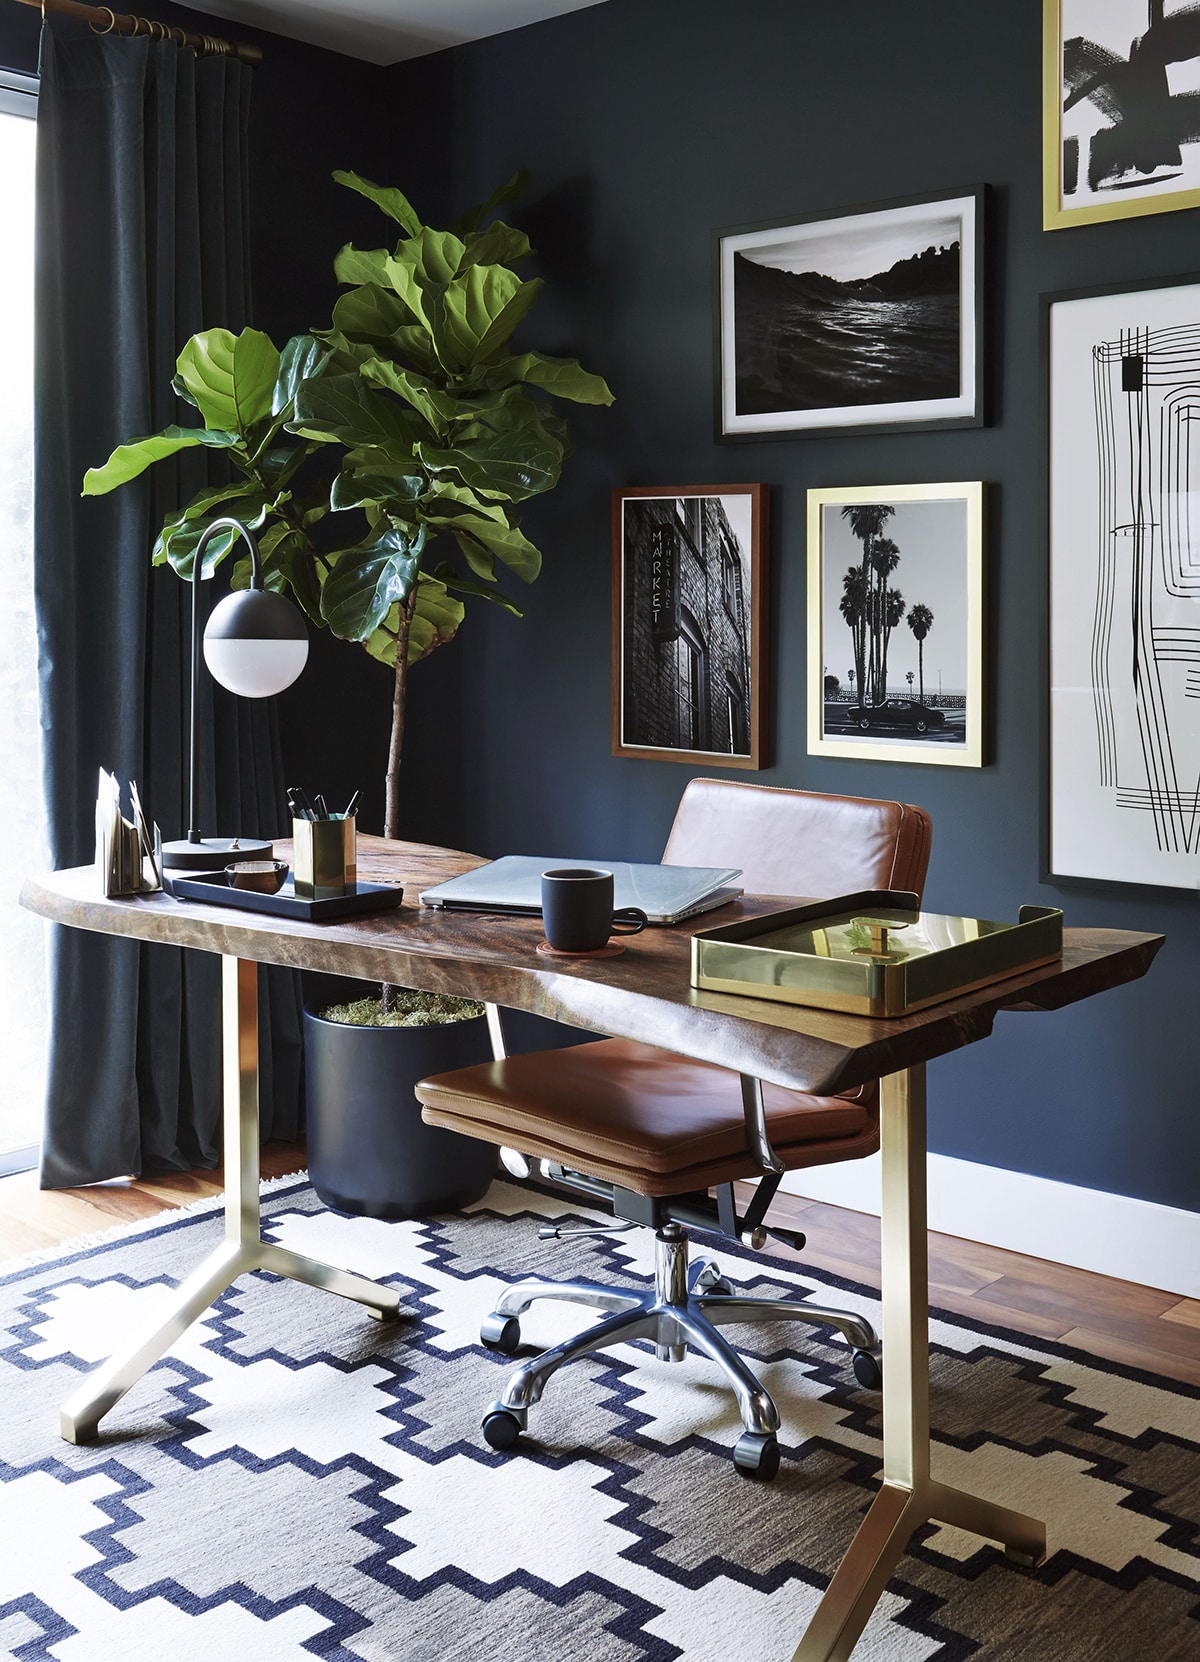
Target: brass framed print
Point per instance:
(868, 319)
(689, 624)
(895, 623)
(1123, 739)
(1121, 109)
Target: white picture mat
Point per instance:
(1090, 835)
(883, 223)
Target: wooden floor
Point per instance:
(1115, 1319)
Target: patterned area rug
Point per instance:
(298, 1480)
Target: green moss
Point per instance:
(413, 1009)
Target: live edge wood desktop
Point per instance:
(644, 994)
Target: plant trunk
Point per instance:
(391, 784)
(921, 667)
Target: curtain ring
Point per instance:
(176, 34)
(109, 27)
(157, 31)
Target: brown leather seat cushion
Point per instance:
(644, 1118)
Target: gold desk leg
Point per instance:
(243, 1247)
(908, 1497)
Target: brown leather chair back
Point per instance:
(799, 842)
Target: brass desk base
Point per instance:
(243, 1248)
(909, 1497)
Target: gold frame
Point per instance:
(1054, 216)
(969, 755)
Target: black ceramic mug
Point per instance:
(577, 910)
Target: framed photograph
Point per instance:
(689, 624)
(895, 623)
(1123, 740)
(1121, 122)
(868, 318)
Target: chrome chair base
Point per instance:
(688, 1306)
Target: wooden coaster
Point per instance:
(612, 950)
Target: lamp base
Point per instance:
(213, 853)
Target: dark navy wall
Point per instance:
(647, 123)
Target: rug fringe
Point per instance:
(134, 1226)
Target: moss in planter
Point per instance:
(413, 1009)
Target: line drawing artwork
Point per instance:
(1145, 634)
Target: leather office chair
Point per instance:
(649, 1133)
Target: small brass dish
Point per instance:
(263, 876)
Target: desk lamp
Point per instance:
(255, 643)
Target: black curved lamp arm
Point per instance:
(256, 582)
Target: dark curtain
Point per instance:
(142, 226)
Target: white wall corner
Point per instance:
(1117, 1235)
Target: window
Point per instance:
(22, 835)
(690, 685)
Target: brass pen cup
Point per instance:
(324, 862)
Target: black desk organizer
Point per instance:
(213, 887)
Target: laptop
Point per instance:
(513, 884)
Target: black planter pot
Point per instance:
(369, 1151)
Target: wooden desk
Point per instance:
(645, 995)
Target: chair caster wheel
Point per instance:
(756, 1455)
(502, 1427)
(722, 1287)
(868, 1369)
(502, 1333)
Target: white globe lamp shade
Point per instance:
(255, 643)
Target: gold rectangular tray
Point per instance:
(871, 954)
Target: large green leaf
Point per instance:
(179, 542)
(445, 573)
(483, 524)
(231, 377)
(563, 376)
(483, 307)
(438, 408)
(393, 202)
(366, 583)
(512, 464)
(302, 359)
(500, 244)
(237, 498)
(370, 312)
(128, 460)
(355, 490)
(435, 621)
(342, 407)
(360, 265)
(516, 186)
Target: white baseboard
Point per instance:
(1134, 1240)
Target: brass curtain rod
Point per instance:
(104, 21)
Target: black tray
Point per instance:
(213, 887)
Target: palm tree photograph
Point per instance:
(895, 596)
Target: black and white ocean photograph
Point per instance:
(688, 597)
(868, 318)
(895, 623)
(1123, 109)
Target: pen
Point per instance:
(322, 810)
(351, 805)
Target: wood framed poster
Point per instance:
(689, 623)
(1121, 109)
(895, 623)
(870, 318)
(1123, 738)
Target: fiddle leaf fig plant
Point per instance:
(410, 424)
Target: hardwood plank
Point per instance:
(1135, 1354)
(18, 1238)
(1063, 1299)
(1186, 1311)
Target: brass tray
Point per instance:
(871, 954)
